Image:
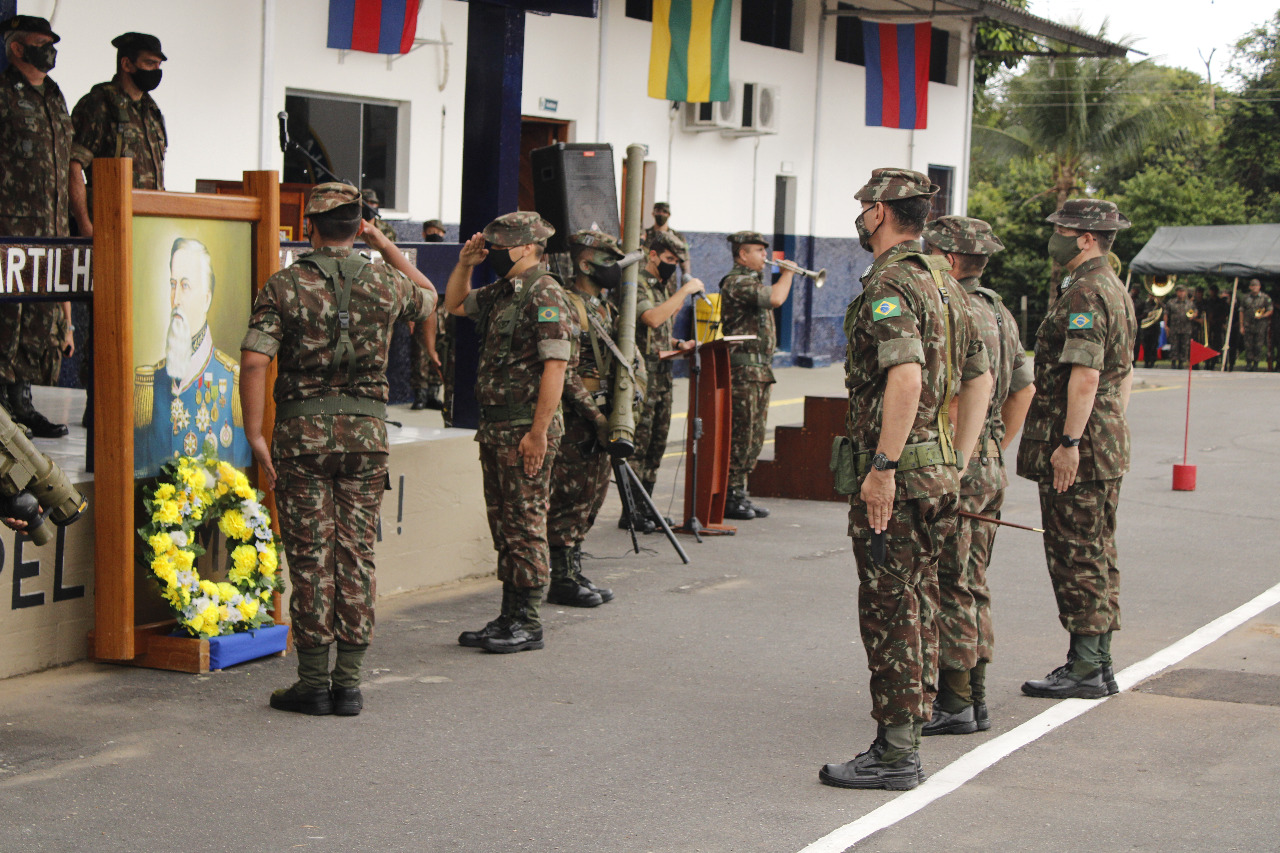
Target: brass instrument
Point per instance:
(1159, 287)
(819, 277)
(1258, 312)
(1191, 313)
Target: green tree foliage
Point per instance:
(1250, 146)
(997, 38)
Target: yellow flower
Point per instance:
(245, 559)
(232, 524)
(249, 608)
(222, 490)
(209, 588)
(167, 513)
(210, 617)
(165, 492)
(268, 561)
(164, 571)
(226, 591)
(183, 560)
(243, 490)
(160, 543)
(265, 595)
(193, 478)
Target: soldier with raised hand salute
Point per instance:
(1075, 443)
(911, 351)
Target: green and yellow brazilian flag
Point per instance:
(689, 56)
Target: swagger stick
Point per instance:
(991, 520)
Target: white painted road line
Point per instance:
(972, 763)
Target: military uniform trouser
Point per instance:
(1150, 344)
(654, 423)
(328, 507)
(423, 372)
(750, 406)
(965, 634)
(579, 483)
(1255, 341)
(1180, 345)
(517, 509)
(30, 342)
(1080, 548)
(898, 604)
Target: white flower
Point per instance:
(188, 579)
(201, 603)
(179, 538)
(209, 480)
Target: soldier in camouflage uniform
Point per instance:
(425, 362)
(966, 639)
(328, 319)
(911, 351)
(370, 197)
(1180, 326)
(580, 478)
(1255, 321)
(1075, 444)
(526, 339)
(658, 301)
(746, 308)
(39, 187)
(661, 215)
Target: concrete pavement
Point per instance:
(693, 712)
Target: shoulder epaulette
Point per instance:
(144, 395)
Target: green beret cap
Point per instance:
(518, 229)
(963, 235)
(135, 42)
(895, 185)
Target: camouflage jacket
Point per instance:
(382, 225)
(1012, 371)
(111, 124)
(1175, 316)
(1091, 324)
(509, 373)
(745, 310)
(650, 293)
(901, 318)
(295, 321)
(1249, 304)
(35, 158)
(591, 366)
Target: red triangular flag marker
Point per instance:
(1200, 352)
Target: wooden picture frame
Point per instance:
(116, 636)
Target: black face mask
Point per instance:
(40, 57)
(607, 276)
(433, 238)
(665, 270)
(500, 262)
(661, 218)
(147, 80)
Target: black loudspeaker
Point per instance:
(573, 189)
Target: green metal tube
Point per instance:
(622, 422)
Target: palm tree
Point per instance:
(1081, 112)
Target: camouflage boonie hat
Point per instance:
(30, 24)
(743, 238)
(134, 43)
(330, 196)
(666, 241)
(1089, 214)
(895, 185)
(963, 235)
(661, 207)
(603, 244)
(518, 229)
(370, 196)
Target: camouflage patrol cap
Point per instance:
(667, 241)
(895, 185)
(370, 196)
(433, 223)
(963, 235)
(131, 44)
(605, 246)
(29, 24)
(1089, 214)
(743, 238)
(330, 196)
(661, 207)
(518, 229)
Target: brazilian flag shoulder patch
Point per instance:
(1080, 321)
(886, 308)
(549, 315)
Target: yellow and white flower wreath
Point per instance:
(193, 492)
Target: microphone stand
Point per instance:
(288, 144)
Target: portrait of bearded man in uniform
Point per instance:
(188, 403)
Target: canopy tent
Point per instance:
(1226, 250)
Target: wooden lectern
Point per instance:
(706, 482)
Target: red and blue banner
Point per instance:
(374, 26)
(897, 57)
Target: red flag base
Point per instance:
(1184, 478)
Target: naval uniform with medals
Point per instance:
(186, 416)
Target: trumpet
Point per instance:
(1191, 313)
(1258, 312)
(819, 277)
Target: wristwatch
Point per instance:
(1068, 441)
(881, 463)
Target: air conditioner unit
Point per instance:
(759, 111)
(698, 118)
(729, 113)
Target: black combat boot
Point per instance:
(1079, 678)
(310, 694)
(523, 630)
(737, 508)
(433, 398)
(25, 413)
(978, 689)
(1108, 674)
(639, 518)
(475, 639)
(891, 762)
(564, 588)
(760, 512)
(345, 679)
(575, 566)
(419, 399)
(953, 712)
